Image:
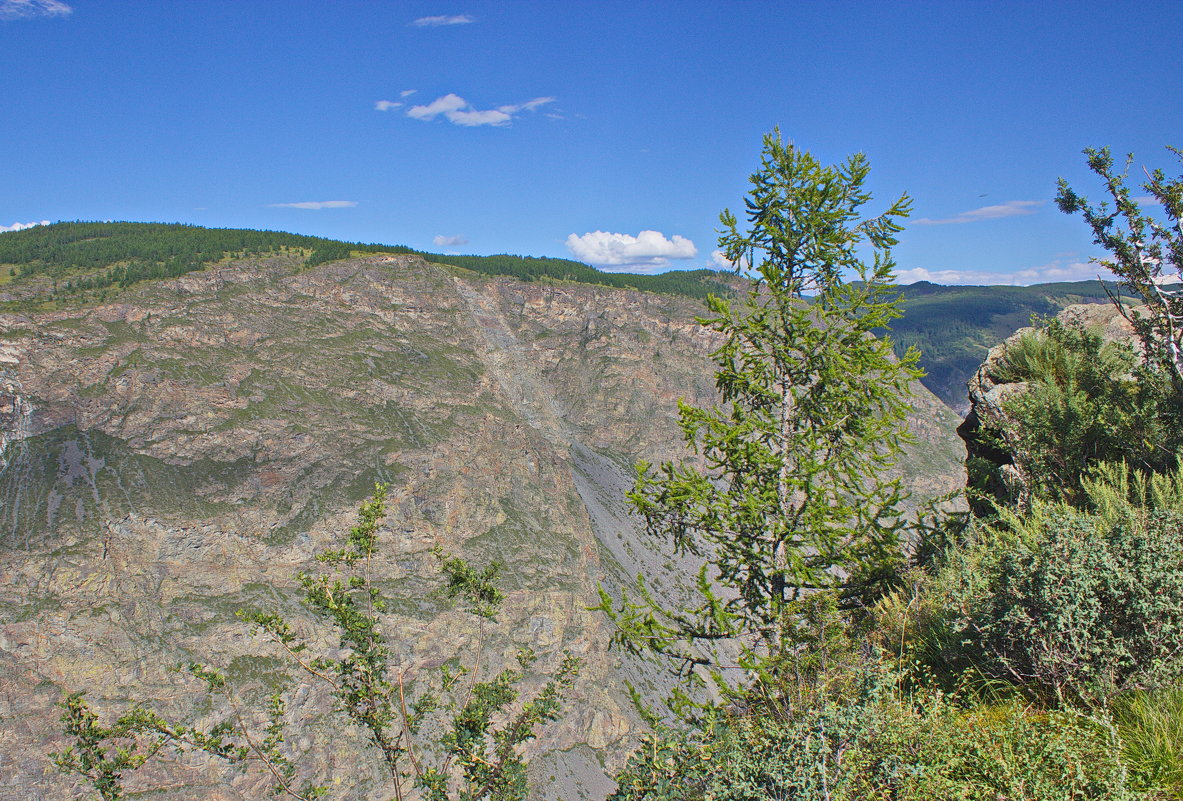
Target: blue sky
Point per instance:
(611, 132)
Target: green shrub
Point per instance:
(1085, 608)
(880, 745)
(1070, 605)
(1086, 401)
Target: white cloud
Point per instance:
(28, 9)
(407, 92)
(443, 19)
(529, 105)
(386, 105)
(442, 241)
(1011, 208)
(458, 111)
(20, 226)
(441, 105)
(316, 204)
(1055, 270)
(721, 262)
(472, 118)
(648, 250)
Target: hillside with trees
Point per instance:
(954, 326)
(76, 261)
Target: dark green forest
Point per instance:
(82, 257)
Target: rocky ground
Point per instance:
(182, 451)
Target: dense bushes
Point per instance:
(882, 743)
(1085, 400)
(1068, 605)
(1080, 608)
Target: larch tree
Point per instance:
(790, 494)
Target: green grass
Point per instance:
(1151, 728)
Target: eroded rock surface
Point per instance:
(182, 452)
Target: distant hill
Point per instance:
(955, 326)
(79, 259)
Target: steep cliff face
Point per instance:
(181, 453)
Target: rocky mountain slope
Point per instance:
(179, 450)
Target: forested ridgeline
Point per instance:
(84, 256)
(952, 326)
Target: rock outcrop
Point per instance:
(992, 471)
(181, 452)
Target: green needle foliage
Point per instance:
(448, 732)
(1085, 401)
(789, 494)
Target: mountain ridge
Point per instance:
(181, 450)
(77, 263)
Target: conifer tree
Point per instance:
(789, 494)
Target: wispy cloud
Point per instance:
(315, 204)
(443, 19)
(28, 9)
(386, 105)
(20, 226)
(458, 111)
(1056, 270)
(1011, 208)
(648, 251)
(720, 262)
(407, 92)
(442, 241)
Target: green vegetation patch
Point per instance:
(67, 479)
(953, 327)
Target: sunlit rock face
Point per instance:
(182, 452)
